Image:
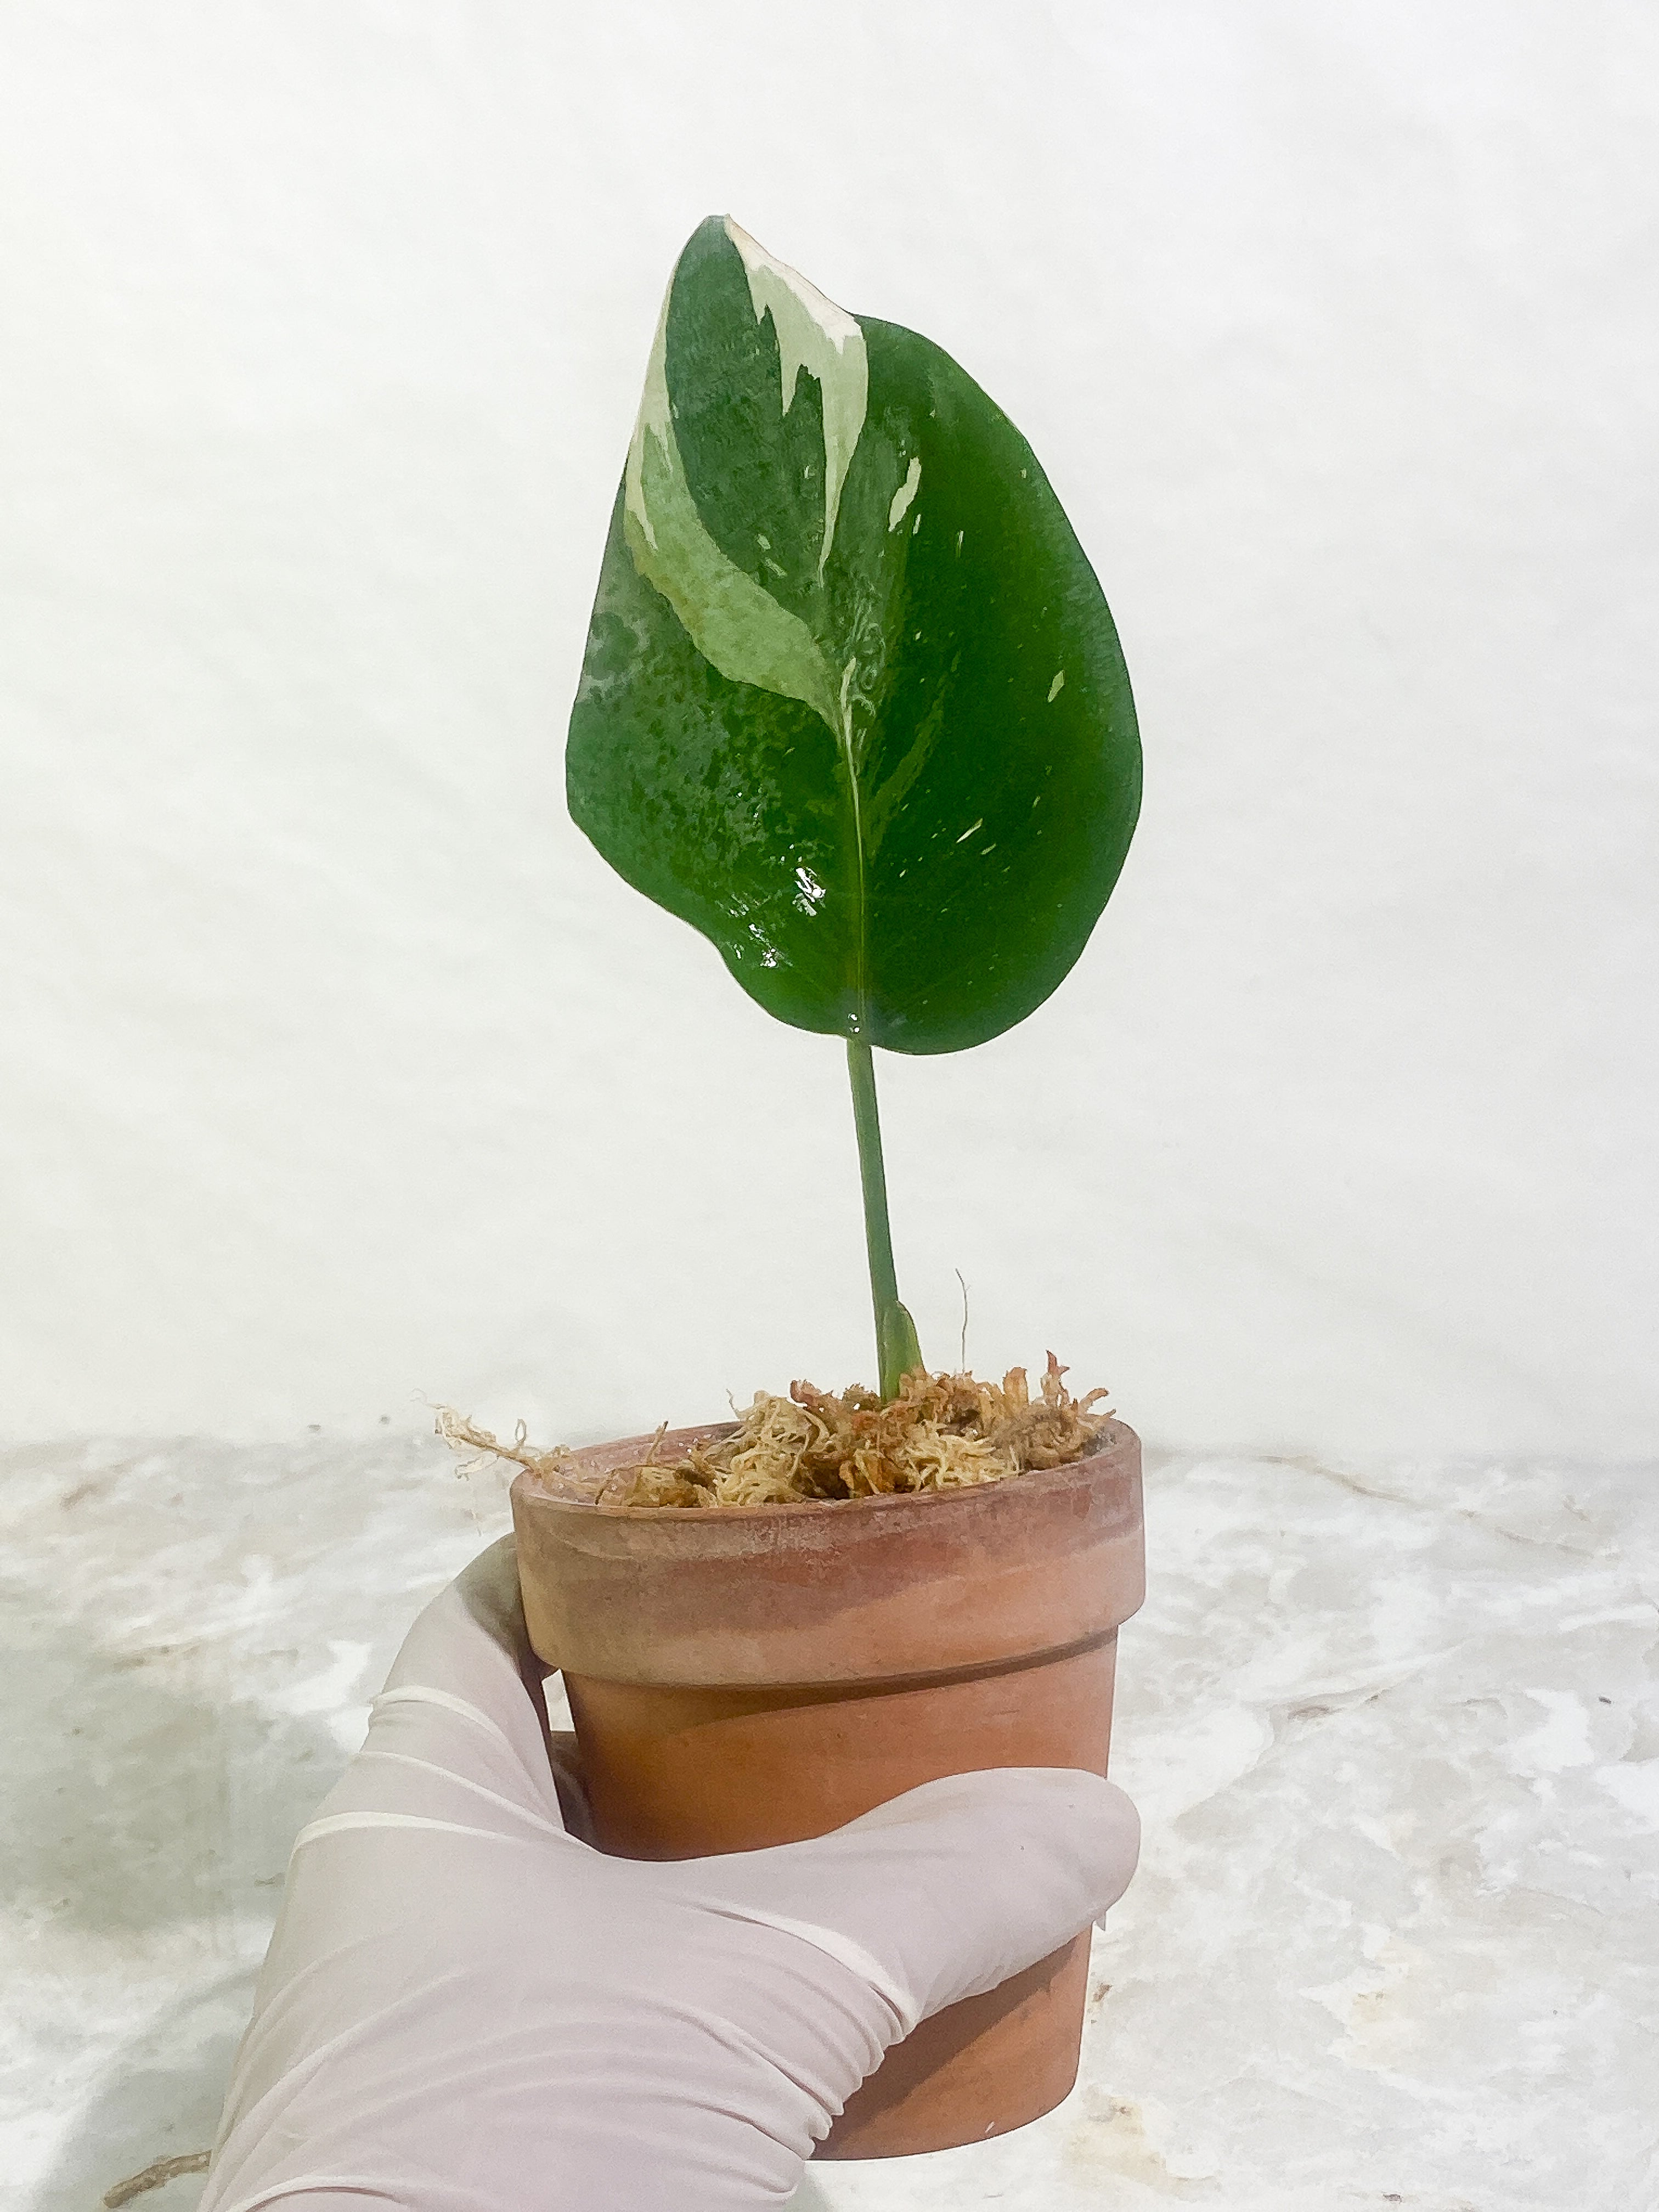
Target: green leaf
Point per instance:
(853, 703)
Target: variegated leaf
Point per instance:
(853, 703)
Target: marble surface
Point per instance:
(1395, 1732)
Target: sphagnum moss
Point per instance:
(939, 1432)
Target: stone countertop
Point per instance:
(1395, 1734)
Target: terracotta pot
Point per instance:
(758, 1674)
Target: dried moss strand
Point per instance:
(939, 1433)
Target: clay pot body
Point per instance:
(755, 1675)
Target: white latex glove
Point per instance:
(465, 2006)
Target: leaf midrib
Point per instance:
(850, 759)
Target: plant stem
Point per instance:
(897, 1349)
(878, 1231)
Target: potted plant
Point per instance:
(853, 705)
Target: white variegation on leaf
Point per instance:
(812, 334)
(907, 491)
(734, 622)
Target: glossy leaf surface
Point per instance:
(853, 703)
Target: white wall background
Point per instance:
(338, 1069)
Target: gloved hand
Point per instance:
(467, 2008)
